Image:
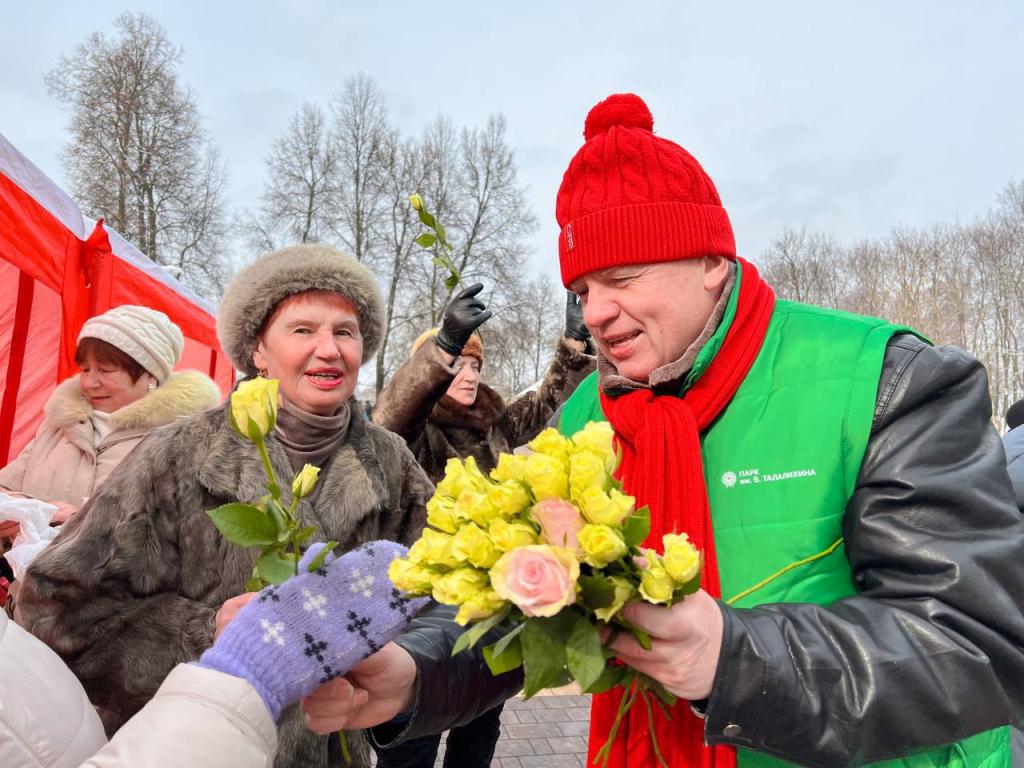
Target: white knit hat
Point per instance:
(145, 335)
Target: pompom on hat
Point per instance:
(630, 197)
(147, 336)
(254, 292)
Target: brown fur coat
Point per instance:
(131, 585)
(415, 406)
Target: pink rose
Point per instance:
(540, 580)
(559, 522)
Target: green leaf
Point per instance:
(244, 524)
(304, 533)
(427, 219)
(426, 240)
(321, 556)
(668, 698)
(510, 657)
(611, 676)
(255, 584)
(276, 567)
(544, 661)
(469, 638)
(688, 588)
(451, 281)
(583, 653)
(440, 231)
(508, 637)
(597, 591)
(637, 526)
(442, 262)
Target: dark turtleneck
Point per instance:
(309, 438)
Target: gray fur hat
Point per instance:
(254, 292)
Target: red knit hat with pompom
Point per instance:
(630, 197)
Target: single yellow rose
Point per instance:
(433, 548)
(481, 605)
(508, 536)
(253, 410)
(599, 509)
(416, 202)
(586, 470)
(656, 586)
(441, 514)
(472, 545)
(508, 499)
(412, 578)
(623, 592)
(546, 477)
(551, 442)
(601, 545)
(681, 560)
(303, 483)
(457, 586)
(510, 467)
(598, 437)
(475, 508)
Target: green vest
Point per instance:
(780, 464)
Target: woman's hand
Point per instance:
(464, 315)
(227, 612)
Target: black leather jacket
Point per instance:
(929, 651)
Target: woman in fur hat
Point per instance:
(131, 587)
(94, 420)
(438, 403)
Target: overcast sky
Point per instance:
(849, 118)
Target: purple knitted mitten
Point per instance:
(315, 627)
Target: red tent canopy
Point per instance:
(57, 269)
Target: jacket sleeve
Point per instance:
(1013, 443)
(450, 690)
(106, 593)
(931, 649)
(236, 726)
(12, 476)
(527, 415)
(404, 405)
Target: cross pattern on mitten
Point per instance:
(315, 626)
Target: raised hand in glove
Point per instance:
(464, 315)
(575, 328)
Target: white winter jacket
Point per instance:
(199, 718)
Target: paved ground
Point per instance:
(548, 731)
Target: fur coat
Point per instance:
(63, 463)
(130, 586)
(415, 406)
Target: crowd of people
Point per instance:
(862, 597)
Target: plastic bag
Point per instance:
(34, 517)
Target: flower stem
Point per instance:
(646, 696)
(627, 700)
(275, 489)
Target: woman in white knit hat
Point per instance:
(94, 420)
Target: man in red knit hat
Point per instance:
(862, 587)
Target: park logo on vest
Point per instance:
(731, 479)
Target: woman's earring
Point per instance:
(261, 372)
(152, 386)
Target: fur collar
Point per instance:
(479, 417)
(184, 393)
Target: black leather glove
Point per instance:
(575, 328)
(464, 315)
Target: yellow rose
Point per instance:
(510, 467)
(681, 560)
(586, 470)
(601, 545)
(474, 507)
(546, 477)
(304, 481)
(481, 605)
(411, 577)
(451, 483)
(623, 591)
(441, 514)
(457, 586)
(253, 411)
(416, 202)
(433, 549)
(508, 499)
(599, 508)
(598, 436)
(551, 442)
(474, 546)
(508, 536)
(656, 586)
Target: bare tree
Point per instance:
(138, 156)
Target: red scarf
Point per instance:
(662, 467)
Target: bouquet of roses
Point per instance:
(548, 549)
